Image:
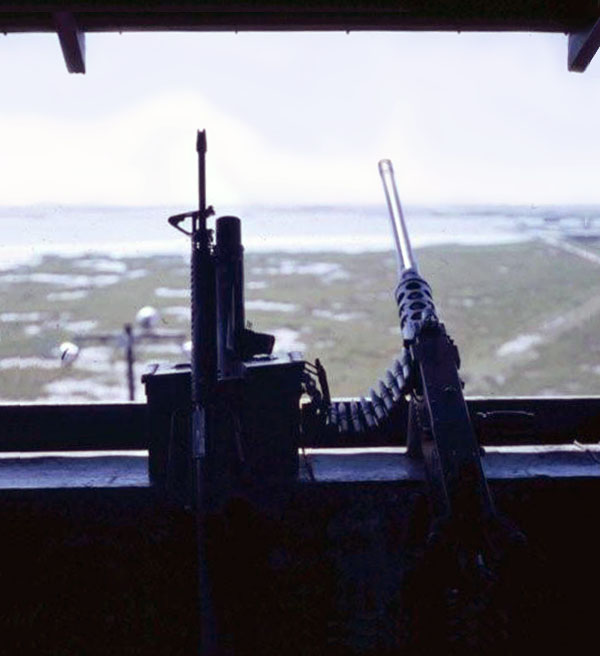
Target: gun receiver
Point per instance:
(440, 429)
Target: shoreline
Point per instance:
(17, 255)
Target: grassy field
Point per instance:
(526, 317)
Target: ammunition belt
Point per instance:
(368, 413)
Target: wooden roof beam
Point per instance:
(583, 46)
(72, 41)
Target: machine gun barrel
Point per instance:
(404, 254)
(413, 293)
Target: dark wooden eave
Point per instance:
(576, 17)
(257, 15)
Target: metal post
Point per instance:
(130, 359)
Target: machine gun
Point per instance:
(469, 543)
(439, 427)
(423, 389)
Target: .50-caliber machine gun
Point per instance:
(469, 544)
(439, 430)
(439, 427)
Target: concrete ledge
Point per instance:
(117, 469)
(73, 470)
(388, 464)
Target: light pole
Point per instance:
(128, 338)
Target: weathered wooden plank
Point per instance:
(387, 465)
(72, 41)
(65, 472)
(583, 45)
(203, 15)
(99, 427)
(318, 467)
(93, 427)
(556, 420)
(497, 422)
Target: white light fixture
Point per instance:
(68, 353)
(147, 318)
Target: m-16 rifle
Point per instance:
(235, 456)
(203, 377)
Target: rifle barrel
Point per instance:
(404, 254)
(201, 150)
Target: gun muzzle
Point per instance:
(404, 254)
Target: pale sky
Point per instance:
(298, 118)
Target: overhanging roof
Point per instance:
(72, 19)
(94, 16)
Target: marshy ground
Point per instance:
(526, 316)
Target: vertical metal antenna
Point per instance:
(404, 255)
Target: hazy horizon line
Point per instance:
(300, 205)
